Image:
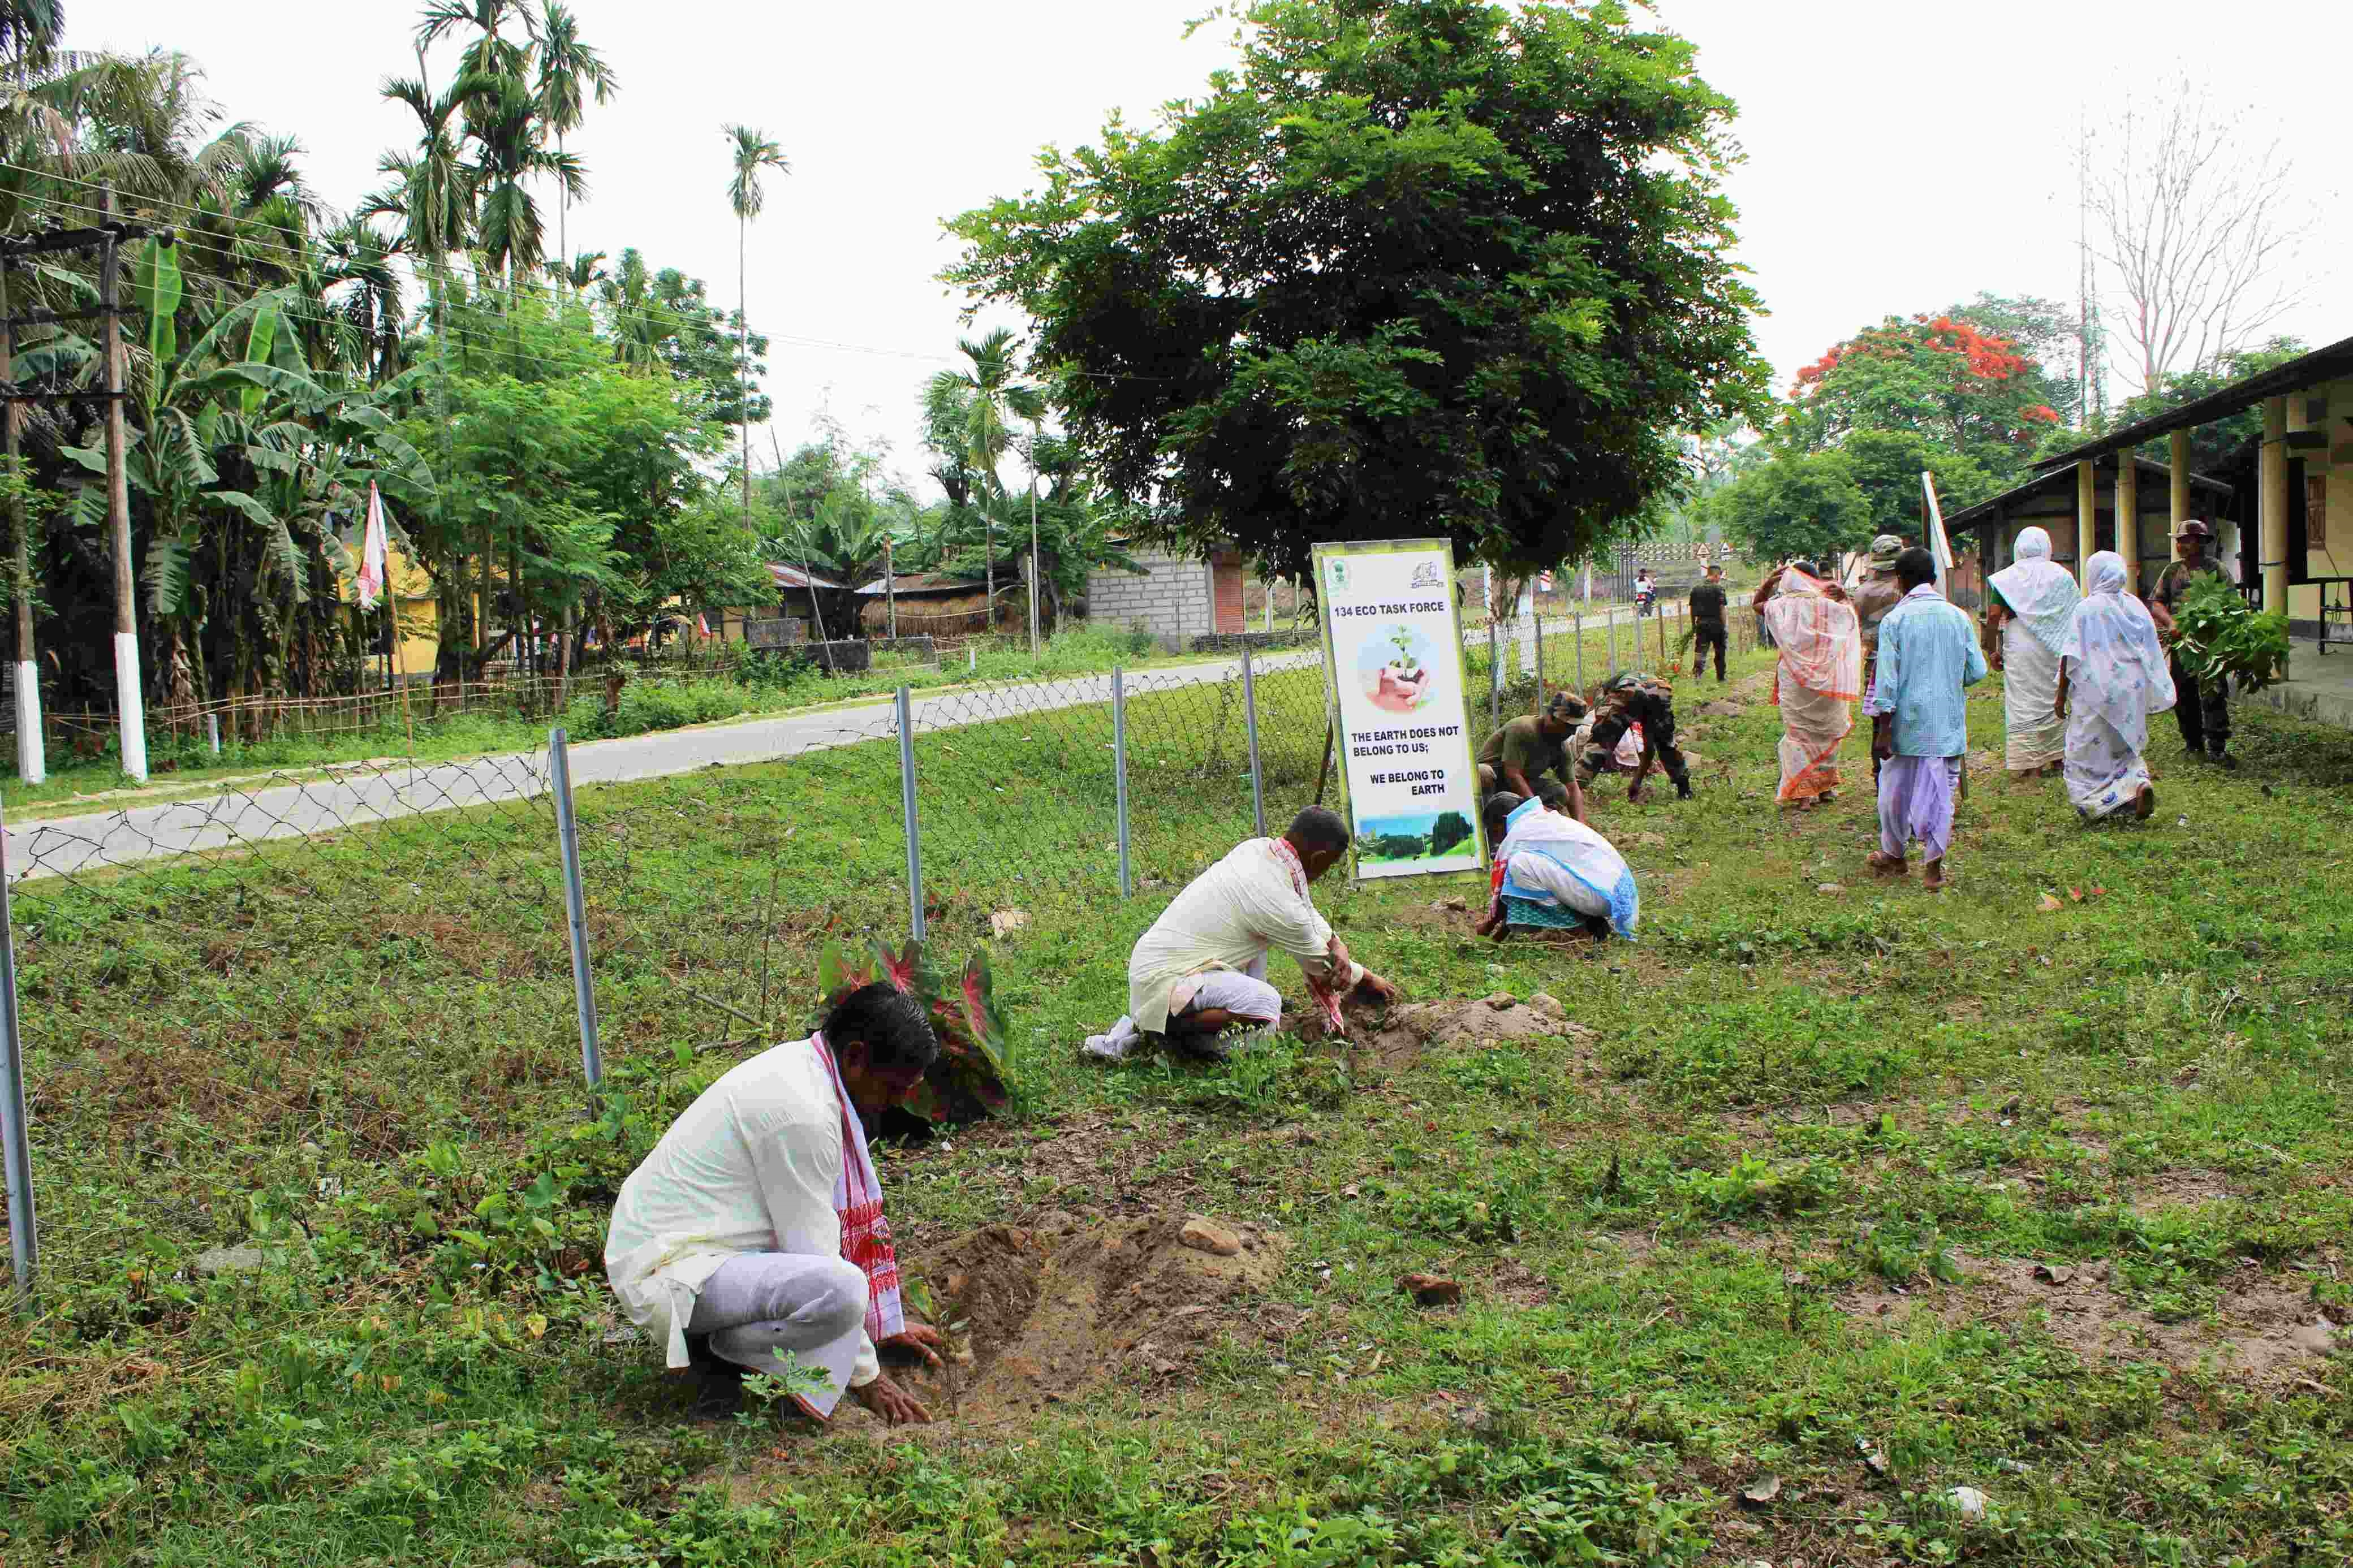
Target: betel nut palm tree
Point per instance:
(752, 155)
(570, 73)
(992, 395)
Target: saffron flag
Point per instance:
(702, 624)
(372, 552)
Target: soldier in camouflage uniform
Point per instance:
(1629, 700)
(2203, 711)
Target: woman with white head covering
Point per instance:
(2032, 597)
(2112, 668)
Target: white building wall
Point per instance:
(1171, 600)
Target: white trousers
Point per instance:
(764, 1306)
(1241, 991)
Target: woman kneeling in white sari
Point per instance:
(2032, 598)
(2112, 667)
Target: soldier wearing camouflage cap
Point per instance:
(1873, 591)
(2202, 710)
(1520, 752)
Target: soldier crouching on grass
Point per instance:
(1625, 701)
(752, 1239)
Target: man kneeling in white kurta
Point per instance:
(752, 1239)
(1201, 969)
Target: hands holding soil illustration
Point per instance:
(1401, 691)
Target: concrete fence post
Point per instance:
(575, 908)
(1249, 727)
(903, 706)
(15, 1136)
(1119, 765)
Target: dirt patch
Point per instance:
(1515, 1284)
(1398, 1036)
(1436, 915)
(1049, 1308)
(2266, 1327)
(2184, 1188)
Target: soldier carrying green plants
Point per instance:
(2202, 684)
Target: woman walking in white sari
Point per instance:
(2032, 597)
(2113, 670)
(1820, 640)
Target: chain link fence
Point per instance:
(287, 976)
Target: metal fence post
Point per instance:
(24, 1244)
(576, 907)
(1538, 619)
(1250, 726)
(1494, 673)
(212, 732)
(1609, 626)
(908, 812)
(1577, 621)
(1119, 765)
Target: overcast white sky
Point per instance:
(1901, 157)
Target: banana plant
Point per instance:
(302, 449)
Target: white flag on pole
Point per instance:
(1940, 547)
(372, 552)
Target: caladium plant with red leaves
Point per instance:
(968, 1082)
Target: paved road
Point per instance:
(361, 797)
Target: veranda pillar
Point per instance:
(2272, 503)
(2087, 513)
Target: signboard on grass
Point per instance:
(1400, 718)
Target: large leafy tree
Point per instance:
(1937, 376)
(2214, 444)
(2048, 333)
(1803, 504)
(1887, 466)
(1416, 267)
(664, 319)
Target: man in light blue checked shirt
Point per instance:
(1928, 654)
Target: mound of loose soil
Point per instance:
(2266, 1327)
(1048, 1310)
(1397, 1035)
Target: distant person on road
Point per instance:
(1518, 755)
(2204, 709)
(1707, 623)
(1201, 969)
(2026, 618)
(752, 1239)
(1920, 728)
(1552, 876)
(1817, 681)
(2112, 671)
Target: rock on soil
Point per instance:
(1202, 1237)
(1049, 1309)
(1430, 1290)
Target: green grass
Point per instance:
(359, 1054)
